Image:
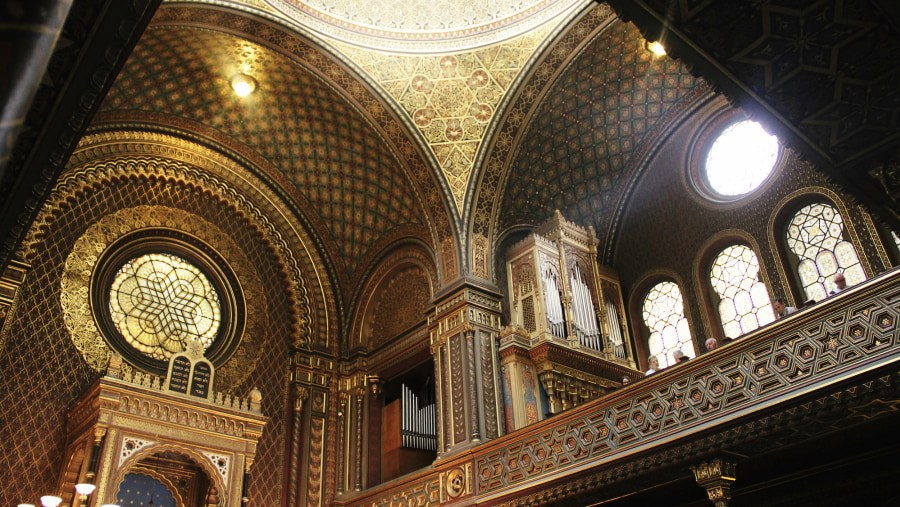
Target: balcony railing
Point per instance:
(846, 336)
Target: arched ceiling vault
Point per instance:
(446, 68)
(332, 145)
(577, 143)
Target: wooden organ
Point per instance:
(409, 422)
(568, 339)
(418, 422)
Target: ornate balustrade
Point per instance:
(818, 359)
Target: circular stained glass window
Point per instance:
(159, 302)
(740, 159)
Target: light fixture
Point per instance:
(656, 48)
(243, 84)
(84, 490)
(50, 501)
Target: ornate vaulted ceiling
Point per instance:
(824, 75)
(587, 138)
(448, 123)
(446, 67)
(321, 148)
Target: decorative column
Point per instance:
(358, 395)
(341, 448)
(301, 394)
(716, 476)
(312, 384)
(99, 433)
(351, 423)
(464, 327)
(245, 499)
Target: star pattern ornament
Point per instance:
(451, 99)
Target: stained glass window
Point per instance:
(664, 315)
(744, 303)
(158, 302)
(741, 159)
(816, 235)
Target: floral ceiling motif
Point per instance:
(584, 142)
(421, 26)
(451, 99)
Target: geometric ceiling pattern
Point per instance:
(586, 139)
(325, 154)
(450, 98)
(840, 58)
(420, 26)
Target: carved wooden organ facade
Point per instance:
(568, 338)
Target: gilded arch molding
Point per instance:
(431, 190)
(202, 461)
(778, 219)
(107, 157)
(700, 270)
(80, 264)
(400, 261)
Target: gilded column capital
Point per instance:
(716, 476)
(376, 386)
(301, 394)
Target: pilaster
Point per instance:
(464, 326)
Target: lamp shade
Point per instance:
(50, 501)
(85, 489)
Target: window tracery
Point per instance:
(663, 313)
(744, 302)
(159, 301)
(816, 235)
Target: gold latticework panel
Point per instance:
(451, 99)
(75, 292)
(33, 419)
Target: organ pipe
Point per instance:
(554, 306)
(418, 425)
(615, 330)
(585, 318)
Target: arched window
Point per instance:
(744, 303)
(816, 235)
(663, 312)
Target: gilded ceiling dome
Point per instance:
(419, 26)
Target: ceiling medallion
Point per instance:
(422, 26)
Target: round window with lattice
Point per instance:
(159, 301)
(155, 292)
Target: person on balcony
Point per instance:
(711, 344)
(654, 365)
(840, 283)
(781, 308)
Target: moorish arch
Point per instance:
(332, 145)
(147, 181)
(395, 296)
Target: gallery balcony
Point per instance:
(785, 415)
